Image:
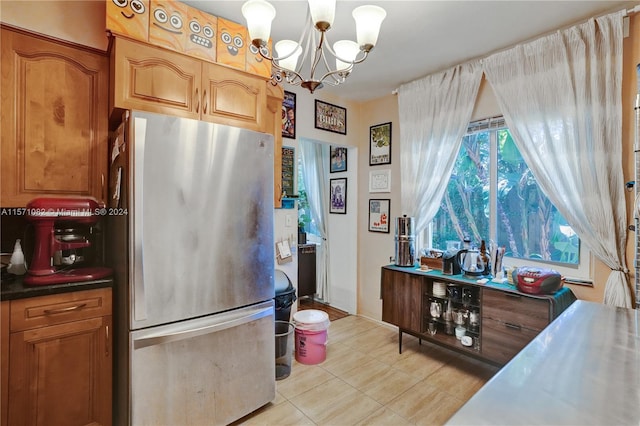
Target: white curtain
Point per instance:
(315, 171)
(561, 98)
(434, 114)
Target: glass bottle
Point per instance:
(486, 260)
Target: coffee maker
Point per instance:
(63, 241)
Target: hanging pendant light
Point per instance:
(320, 15)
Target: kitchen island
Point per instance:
(583, 369)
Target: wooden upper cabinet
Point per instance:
(275, 94)
(150, 78)
(54, 119)
(233, 98)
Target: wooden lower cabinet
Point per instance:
(402, 300)
(4, 365)
(510, 321)
(60, 359)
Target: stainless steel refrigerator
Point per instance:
(190, 234)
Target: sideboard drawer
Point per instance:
(515, 309)
(502, 341)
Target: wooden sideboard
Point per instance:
(506, 319)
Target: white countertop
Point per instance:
(583, 369)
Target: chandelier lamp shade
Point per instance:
(313, 47)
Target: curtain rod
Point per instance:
(635, 9)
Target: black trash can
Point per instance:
(285, 296)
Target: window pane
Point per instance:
(304, 211)
(529, 226)
(464, 211)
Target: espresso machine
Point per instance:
(63, 245)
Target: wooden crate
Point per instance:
(433, 263)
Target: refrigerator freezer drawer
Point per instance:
(210, 370)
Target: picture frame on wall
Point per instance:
(380, 144)
(380, 180)
(289, 115)
(338, 196)
(331, 118)
(379, 210)
(288, 170)
(337, 159)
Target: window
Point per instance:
(493, 196)
(305, 221)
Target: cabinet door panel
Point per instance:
(152, 79)
(402, 299)
(54, 122)
(61, 374)
(233, 98)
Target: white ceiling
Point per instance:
(421, 37)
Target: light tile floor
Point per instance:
(365, 381)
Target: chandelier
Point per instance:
(313, 44)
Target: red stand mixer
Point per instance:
(57, 254)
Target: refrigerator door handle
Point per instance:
(220, 322)
(139, 304)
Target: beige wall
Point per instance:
(374, 248)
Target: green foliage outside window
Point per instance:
(527, 223)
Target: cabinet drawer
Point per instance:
(515, 309)
(501, 341)
(59, 308)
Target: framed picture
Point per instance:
(288, 162)
(379, 215)
(289, 115)
(338, 196)
(331, 118)
(338, 159)
(380, 144)
(380, 180)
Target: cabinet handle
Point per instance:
(197, 101)
(104, 192)
(512, 326)
(512, 296)
(106, 341)
(205, 102)
(63, 310)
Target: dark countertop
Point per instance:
(13, 288)
(583, 369)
